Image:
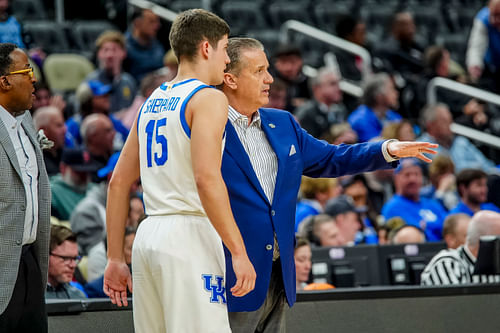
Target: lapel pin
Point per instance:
(272, 125)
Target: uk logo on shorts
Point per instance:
(215, 285)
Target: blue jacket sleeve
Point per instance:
(325, 160)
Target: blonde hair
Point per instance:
(310, 186)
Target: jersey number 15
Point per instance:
(154, 126)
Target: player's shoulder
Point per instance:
(208, 95)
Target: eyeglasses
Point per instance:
(28, 71)
(68, 259)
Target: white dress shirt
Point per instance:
(26, 158)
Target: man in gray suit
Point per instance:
(24, 201)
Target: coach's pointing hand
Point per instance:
(245, 275)
(412, 149)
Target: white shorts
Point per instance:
(178, 272)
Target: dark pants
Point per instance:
(270, 317)
(26, 310)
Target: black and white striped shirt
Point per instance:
(454, 266)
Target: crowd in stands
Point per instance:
(411, 204)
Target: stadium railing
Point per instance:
(464, 89)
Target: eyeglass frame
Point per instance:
(67, 259)
(30, 71)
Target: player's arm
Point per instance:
(207, 115)
(117, 274)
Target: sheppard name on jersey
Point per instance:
(158, 105)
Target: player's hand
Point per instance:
(245, 276)
(402, 149)
(116, 280)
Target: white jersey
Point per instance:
(165, 151)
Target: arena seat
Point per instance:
(326, 15)
(181, 5)
(48, 35)
(28, 10)
(64, 72)
(86, 33)
(240, 15)
(281, 12)
(269, 37)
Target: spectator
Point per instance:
(69, 188)
(144, 51)
(136, 211)
(51, 121)
(278, 95)
(98, 137)
(473, 190)
(352, 29)
(402, 131)
(483, 51)
(93, 97)
(171, 63)
(148, 84)
(325, 108)
(407, 234)
(401, 51)
(456, 266)
(425, 214)
(341, 133)
(88, 220)
(94, 288)
(455, 230)
(63, 260)
(442, 187)
(302, 256)
(348, 222)
(44, 97)
(379, 98)
(436, 120)
(324, 231)
(315, 193)
(287, 66)
(111, 52)
(10, 28)
(367, 202)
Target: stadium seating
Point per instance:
(65, 72)
(29, 10)
(50, 36)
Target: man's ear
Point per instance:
(230, 80)
(4, 83)
(205, 48)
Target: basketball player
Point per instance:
(176, 148)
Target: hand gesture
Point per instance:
(245, 276)
(402, 149)
(116, 279)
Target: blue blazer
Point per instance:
(257, 218)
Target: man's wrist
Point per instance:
(385, 151)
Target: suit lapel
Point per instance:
(9, 147)
(237, 151)
(274, 133)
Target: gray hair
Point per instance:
(88, 126)
(429, 113)
(322, 72)
(43, 116)
(235, 47)
(373, 87)
(482, 223)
